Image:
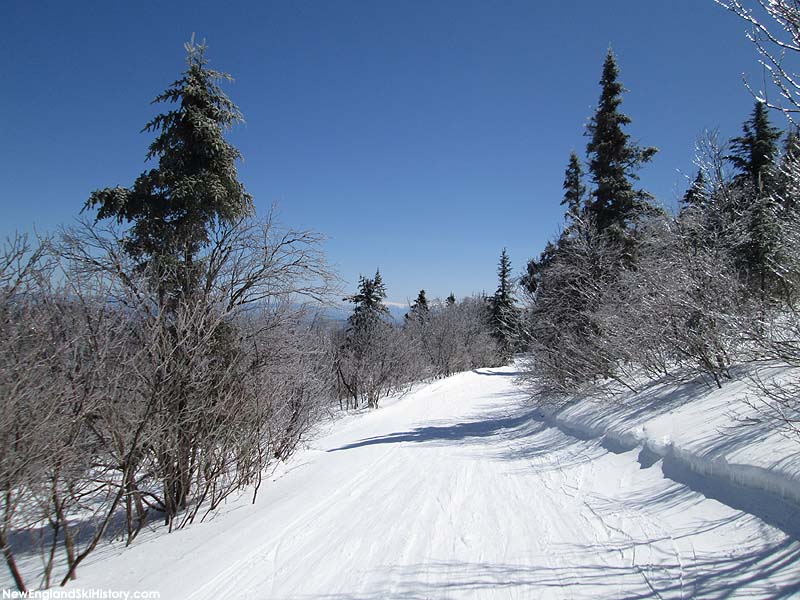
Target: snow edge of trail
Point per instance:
(759, 478)
(770, 484)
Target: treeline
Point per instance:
(628, 291)
(162, 354)
(376, 356)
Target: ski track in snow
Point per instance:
(456, 491)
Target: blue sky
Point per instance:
(420, 136)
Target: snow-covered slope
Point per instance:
(712, 431)
(463, 490)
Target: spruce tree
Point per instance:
(369, 307)
(173, 206)
(613, 158)
(421, 303)
(536, 268)
(171, 210)
(574, 200)
(574, 188)
(419, 309)
(530, 279)
(504, 291)
(451, 299)
(504, 316)
(696, 195)
(363, 347)
(754, 153)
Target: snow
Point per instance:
(463, 489)
(710, 430)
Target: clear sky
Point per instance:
(420, 136)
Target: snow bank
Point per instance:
(710, 431)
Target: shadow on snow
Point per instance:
(764, 572)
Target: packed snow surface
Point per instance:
(462, 489)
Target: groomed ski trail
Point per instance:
(458, 491)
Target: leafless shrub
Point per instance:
(777, 402)
(679, 308)
(775, 32)
(373, 362)
(458, 337)
(565, 337)
(118, 404)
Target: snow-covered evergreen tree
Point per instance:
(369, 308)
(173, 206)
(697, 194)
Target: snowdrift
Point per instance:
(712, 439)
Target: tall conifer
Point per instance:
(419, 309)
(613, 158)
(504, 315)
(754, 153)
(369, 307)
(696, 195)
(574, 188)
(195, 185)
